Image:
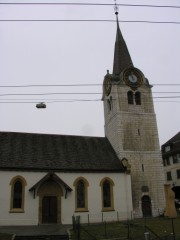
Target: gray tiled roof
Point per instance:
(174, 139)
(36, 152)
(174, 144)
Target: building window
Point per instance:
(175, 159)
(18, 184)
(164, 161)
(107, 194)
(130, 97)
(138, 98)
(17, 195)
(169, 177)
(168, 161)
(178, 173)
(167, 148)
(81, 194)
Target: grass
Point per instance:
(161, 227)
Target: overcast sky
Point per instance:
(76, 53)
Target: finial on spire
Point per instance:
(116, 8)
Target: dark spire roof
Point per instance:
(122, 58)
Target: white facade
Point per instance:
(171, 171)
(31, 214)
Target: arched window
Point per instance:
(18, 184)
(81, 194)
(17, 194)
(130, 97)
(107, 194)
(138, 98)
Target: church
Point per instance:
(48, 179)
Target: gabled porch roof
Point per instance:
(55, 178)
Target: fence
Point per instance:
(160, 228)
(102, 217)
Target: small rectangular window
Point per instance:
(178, 173)
(169, 177)
(175, 159)
(142, 167)
(138, 131)
(164, 161)
(168, 161)
(167, 149)
(178, 157)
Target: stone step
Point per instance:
(43, 237)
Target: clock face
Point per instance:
(107, 85)
(133, 77)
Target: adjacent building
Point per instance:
(171, 160)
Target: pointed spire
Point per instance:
(122, 58)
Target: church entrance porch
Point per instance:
(50, 194)
(49, 189)
(49, 209)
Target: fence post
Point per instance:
(146, 236)
(128, 237)
(78, 227)
(131, 215)
(88, 219)
(73, 222)
(102, 217)
(118, 216)
(172, 222)
(105, 229)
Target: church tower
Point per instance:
(130, 126)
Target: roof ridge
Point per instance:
(51, 134)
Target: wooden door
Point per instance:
(146, 206)
(49, 209)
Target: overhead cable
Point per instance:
(89, 4)
(86, 20)
(74, 85)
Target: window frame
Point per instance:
(111, 184)
(23, 182)
(86, 185)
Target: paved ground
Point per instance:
(36, 230)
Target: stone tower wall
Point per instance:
(132, 131)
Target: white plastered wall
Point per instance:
(121, 190)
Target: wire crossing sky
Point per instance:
(59, 52)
